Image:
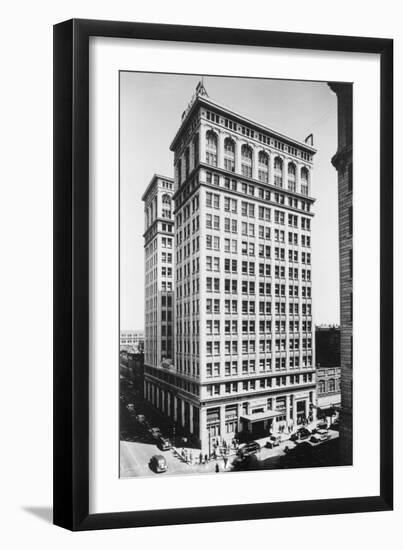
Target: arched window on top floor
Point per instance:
(229, 154)
(291, 172)
(278, 172)
(304, 180)
(166, 206)
(211, 148)
(263, 168)
(246, 161)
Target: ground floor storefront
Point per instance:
(255, 418)
(213, 424)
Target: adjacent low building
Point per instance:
(132, 341)
(328, 371)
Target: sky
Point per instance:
(151, 106)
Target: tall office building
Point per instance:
(159, 275)
(343, 162)
(244, 348)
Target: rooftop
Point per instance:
(201, 97)
(153, 180)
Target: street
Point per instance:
(137, 447)
(135, 457)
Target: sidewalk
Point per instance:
(191, 456)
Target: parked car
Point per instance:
(245, 462)
(248, 449)
(301, 434)
(155, 433)
(164, 444)
(140, 418)
(130, 407)
(158, 464)
(273, 441)
(321, 424)
(319, 435)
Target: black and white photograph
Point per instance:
(236, 274)
(200, 268)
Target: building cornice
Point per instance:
(342, 156)
(155, 178)
(155, 222)
(203, 100)
(240, 195)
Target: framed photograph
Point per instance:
(223, 229)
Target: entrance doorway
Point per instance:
(258, 429)
(301, 411)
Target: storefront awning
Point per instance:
(265, 415)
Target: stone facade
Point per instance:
(244, 349)
(159, 271)
(343, 162)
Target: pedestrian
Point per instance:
(201, 458)
(217, 468)
(225, 461)
(191, 458)
(206, 458)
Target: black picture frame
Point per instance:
(71, 274)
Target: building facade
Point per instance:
(132, 340)
(244, 348)
(328, 371)
(159, 271)
(328, 388)
(343, 162)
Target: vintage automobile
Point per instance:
(248, 449)
(321, 424)
(319, 436)
(164, 444)
(158, 464)
(300, 435)
(273, 441)
(245, 462)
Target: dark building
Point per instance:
(327, 346)
(328, 373)
(343, 162)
